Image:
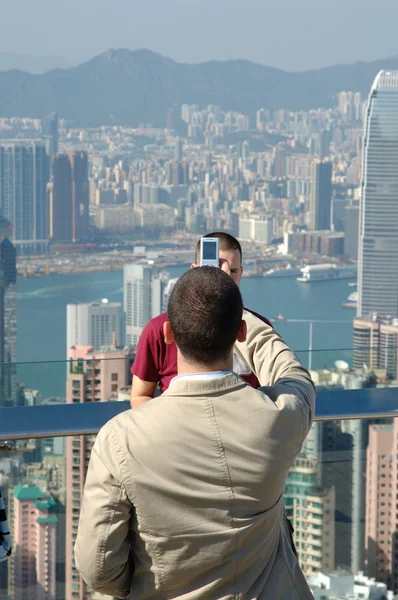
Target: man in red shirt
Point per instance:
(156, 361)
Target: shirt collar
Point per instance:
(199, 376)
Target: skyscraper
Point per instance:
(378, 219)
(50, 126)
(351, 223)
(94, 324)
(8, 378)
(24, 174)
(80, 195)
(94, 377)
(60, 200)
(178, 150)
(143, 298)
(69, 197)
(321, 195)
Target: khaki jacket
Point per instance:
(184, 496)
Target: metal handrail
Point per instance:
(28, 422)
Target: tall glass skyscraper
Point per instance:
(24, 175)
(378, 220)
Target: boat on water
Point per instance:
(327, 272)
(352, 301)
(278, 318)
(288, 271)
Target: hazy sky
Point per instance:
(291, 34)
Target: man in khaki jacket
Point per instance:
(184, 495)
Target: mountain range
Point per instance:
(32, 64)
(125, 87)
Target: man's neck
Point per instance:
(189, 368)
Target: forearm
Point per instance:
(141, 391)
(268, 355)
(139, 400)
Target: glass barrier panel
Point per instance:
(339, 498)
(106, 375)
(84, 378)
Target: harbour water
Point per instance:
(42, 319)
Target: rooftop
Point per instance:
(27, 492)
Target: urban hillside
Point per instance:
(124, 87)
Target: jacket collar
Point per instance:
(204, 387)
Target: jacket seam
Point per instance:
(227, 476)
(116, 496)
(291, 577)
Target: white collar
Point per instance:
(199, 376)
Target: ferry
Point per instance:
(278, 318)
(327, 272)
(287, 271)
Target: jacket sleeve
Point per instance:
(102, 549)
(276, 366)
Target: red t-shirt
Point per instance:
(157, 361)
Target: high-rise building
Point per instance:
(378, 220)
(93, 377)
(60, 199)
(80, 195)
(32, 566)
(50, 126)
(143, 298)
(24, 175)
(95, 324)
(279, 162)
(381, 523)
(351, 228)
(69, 197)
(321, 195)
(178, 150)
(311, 510)
(376, 343)
(8, 329)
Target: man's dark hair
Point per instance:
(227, 242)
(205, 313)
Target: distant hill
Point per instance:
(32, 64)
(131, 87)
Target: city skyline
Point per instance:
(146, 195)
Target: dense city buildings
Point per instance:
(289, 185)
(24, 175)
(378, 221)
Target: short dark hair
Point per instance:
(227, 242)
(205, 313)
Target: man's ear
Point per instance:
(242, 332)
(167, 332)
(193, 265)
